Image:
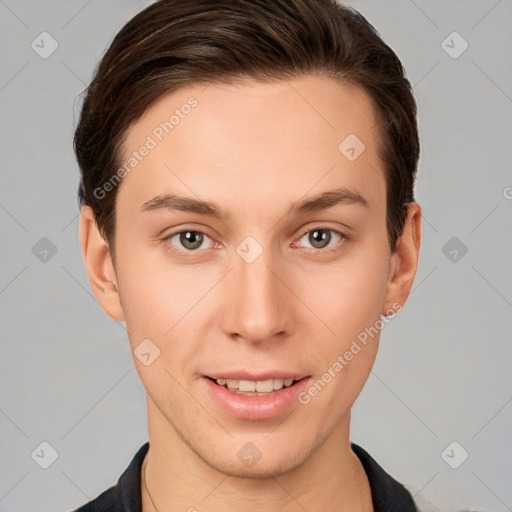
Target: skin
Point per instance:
(253, 149)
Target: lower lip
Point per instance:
(251, 407)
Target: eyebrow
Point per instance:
(322, 201)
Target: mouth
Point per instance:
(250, 396)
(255, 387)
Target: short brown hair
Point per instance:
(173, 43)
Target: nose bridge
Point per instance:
(256, 307)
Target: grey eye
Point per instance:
(189, 240)
(320, 238)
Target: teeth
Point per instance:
(278, 383)
(231, 383)
(265, 386)
(260, 386)
(247, 385)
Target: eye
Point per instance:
(189, 240)
(321, 238)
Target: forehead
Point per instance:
(253, 139)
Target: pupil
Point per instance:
(191, 239)
(319, 238)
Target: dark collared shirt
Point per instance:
(388, 495)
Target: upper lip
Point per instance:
(260, 376)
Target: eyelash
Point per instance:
(190, 252)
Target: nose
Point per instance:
(257, 305)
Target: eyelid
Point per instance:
(339, 233)
(167, 236)
(181, 228)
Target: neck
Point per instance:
(175, 478)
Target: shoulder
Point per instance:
(387, 493)
(125, 496)
(105, 502)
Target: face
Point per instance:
(252, 250)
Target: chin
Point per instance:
(251, 462)
(260, 471)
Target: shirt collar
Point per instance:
(387, 493)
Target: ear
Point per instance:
(404, 260)
(98, 263)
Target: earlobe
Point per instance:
(404, 261)
(98, 263)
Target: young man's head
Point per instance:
(248, 211)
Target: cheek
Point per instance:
(162, 303)
(160, 298)
(349, 303)
(347, 297)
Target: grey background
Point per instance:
(443, 369)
